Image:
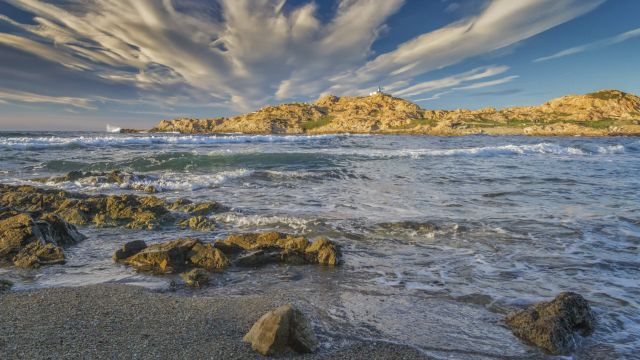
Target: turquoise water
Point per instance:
(441, 236)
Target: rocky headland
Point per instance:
(602, 113)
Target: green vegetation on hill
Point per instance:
(316, 123)
(606, 95)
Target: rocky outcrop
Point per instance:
(195, 278)
(551, 325)
(606, 112)
(243, 250)
(128, 211)
(273, 247)
(172, 256)
(198, 223)
(122, 179)
(283, 327)
(28, 243)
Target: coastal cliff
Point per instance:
(606, 112)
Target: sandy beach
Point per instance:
(126, 322)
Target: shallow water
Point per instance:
(441, 236)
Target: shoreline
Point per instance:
(593, 134)
(111, 321)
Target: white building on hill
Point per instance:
(378, 91)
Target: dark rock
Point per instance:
(176, 255)
(37, 254)
(5, 285)
(129, 249)
(207, 257)
(29, 243)
(323, 251)
(282, 327)
(199, 223)
(129, 211)
(274, 247)
(195, 278)
(551, 325)
(270, 256)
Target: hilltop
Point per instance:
(606, 112)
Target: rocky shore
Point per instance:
(38, 225)
(602, 113)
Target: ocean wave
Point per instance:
(482, 151)
(82, 141)
(165, 182)
(240, 220)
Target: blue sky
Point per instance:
(71, 64)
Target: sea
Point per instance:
(441, 236)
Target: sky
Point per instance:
(79, 65)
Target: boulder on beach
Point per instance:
(275, 247)
(283, 327)
(195, 277)
(27, 242)
(172, 256)
(551, 325)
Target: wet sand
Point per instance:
(126, 322)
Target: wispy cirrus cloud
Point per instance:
(593, 46)
(26, 97)
(241, 54)
(451, 81)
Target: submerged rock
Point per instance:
(322, 251)
(128, 211)
(195, 278)
(274, 247)
(282, 327)
(26, 242)
(37, 254)
(172, 256)
(5, 285)
(551, 325)
(129, 249)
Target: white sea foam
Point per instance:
(56, 141)
(166, 182)
(483, 151)
(113, 129)
(262, 220)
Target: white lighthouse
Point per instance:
(377, 92)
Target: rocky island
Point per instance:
(602, 113)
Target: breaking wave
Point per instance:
(113, 129)
(166, 182)
(276, 221)
(483, 151)
(82, 141)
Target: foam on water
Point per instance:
(56, 141)
(240, 220)
(165, 182)
(112, 129)
(440, 236)
(482, 151)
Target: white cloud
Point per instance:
(451, 81)
(243, 53)
(484, 84)
(594, 45)
(8, 96)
